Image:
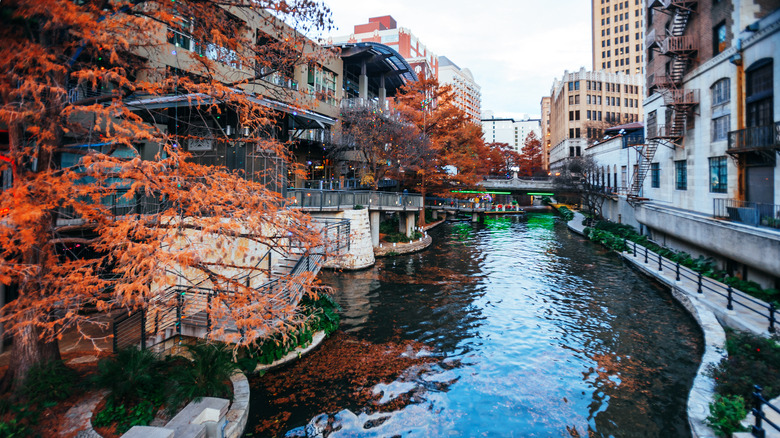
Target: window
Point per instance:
(571, 115)
(681, 174)
(720, 128)
(587, 115)
(655, 175)
(577, 99)
(624, 176)
(577, 85)
(571, 132)
(577, 134)
(719, 38)
(576, 116)
(718, 175)
(759, 93)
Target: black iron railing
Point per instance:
(758, 413)
(311, 199)
(731, 297)
(754, 138)
(749, 213)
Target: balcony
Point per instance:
(651, 41)
(757, 138)
(681, 97)
(749, 213)
(679, 45)
(684, 4)
(663, 132)
(659, 81)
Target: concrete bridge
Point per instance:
(515, 184)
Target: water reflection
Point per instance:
(528, 331)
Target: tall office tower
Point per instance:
(618, 34)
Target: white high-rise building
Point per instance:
(509, 130)
(468, 96)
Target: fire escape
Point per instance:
(679, 102)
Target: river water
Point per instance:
(511, 328)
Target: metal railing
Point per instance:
(457, 204)
(681, 97)
(686, 43)
(754, 138)
(750, 213)
(311, 199)
(757, 430)
(732, 297)
(118, 205)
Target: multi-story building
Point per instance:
(386, 31)
(584, 103)
(618, 34)
(545, 133)
(713, 132)
(508, 130)
(467, 92)
(706, 178)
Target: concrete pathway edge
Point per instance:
(702, 391)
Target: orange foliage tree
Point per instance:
(450, 156)
(530, 163)
(501, 159)
(88, 227)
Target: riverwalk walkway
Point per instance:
(711, 311)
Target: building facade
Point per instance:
(468, 96)
(712, 133)
(545, 132)
(508, 130)
(385, 30)
(618, 35)
(584, 103)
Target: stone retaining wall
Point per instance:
(386, 249)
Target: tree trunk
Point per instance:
(421, 219)
(28, 350)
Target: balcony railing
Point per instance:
(755, 138)
(651, 40)
(663, 131)
(310, 199)
(681, 97)
(749, 213)
(679, 44)
(660, 81)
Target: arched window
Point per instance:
(721, 112)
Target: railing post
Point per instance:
(143, 329)
(114, 332)
(634, 249)
(730, 306)
(677, 278)
(660, 266)
(757, 429)
(645, 255)
(772, 310)
(178, 311)
(208, 313)
(625, 245)
(699, 286)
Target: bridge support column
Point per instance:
(435, 214)
(475, 217)
(373, 218)
(406, 223)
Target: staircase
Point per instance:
(283, 274)
(680, 101)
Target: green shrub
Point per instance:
(131, 375)
(389, 225)
(207, 374)
(125, 417)
(358, 207)
(565, 213)
(725, 415)
(49, 383)
(752, 360)
(15, 429)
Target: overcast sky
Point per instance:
(514, 48)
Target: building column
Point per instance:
(406, 223)
(373, 218)
(363, 82)
(382, 92)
